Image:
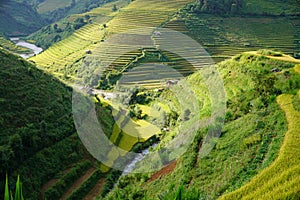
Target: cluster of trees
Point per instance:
(219, 7)
(75, 7)
(58, 189)
(36, 126)
(110, 181)
(80, 22)
(50, 34)
(19, 18)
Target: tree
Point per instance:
(78, 23)
(55, 26)
(87, 17)
(115, 8)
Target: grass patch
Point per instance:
(280, 179)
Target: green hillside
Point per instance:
(246, 7)
(54, 10)
(19, 18)
(254, 131)
(222, 37)
(38, 137)
(63, 28)
(144, 94)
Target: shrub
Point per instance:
(59, 187)
(84, 188)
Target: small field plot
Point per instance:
(50, 5)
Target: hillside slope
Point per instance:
(251, 138)
(38, 139)
(19, 18)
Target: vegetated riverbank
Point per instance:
(35, 49)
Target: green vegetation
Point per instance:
(253, 133)
(5, 43)
(243, 7)
(52, 12)
(19, 18)
(84, 188)
(224, 37)
(59, 58)
(18, 192)
(281, 178)
(256, 155)
(47, 6)
(63, 28)
(37, 126)
(58, 189)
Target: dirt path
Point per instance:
(46, 186)
(164, 171)
(78, 182)
(96, 190)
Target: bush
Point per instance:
(84, 188)
(58, 189)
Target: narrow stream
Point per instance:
(137, 159)
(36, 50)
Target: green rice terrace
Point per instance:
(136, 99)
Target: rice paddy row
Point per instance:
(64, 53)
(9, 45)
(225, 37)
(59, 57)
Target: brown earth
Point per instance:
(46, 186)
(164, 171)
(96, 190)
(78, 182)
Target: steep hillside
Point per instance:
(221, 36)
(60, 58)
(18, 18)
(253, 133)
(38, 138)
(253, 158)
(54, 10)
(63, 28)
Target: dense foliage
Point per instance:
(220, 7)
(251, 138)
(75, 7)
(18, 18)
(243, 7)
(53, 33)
(36, 126)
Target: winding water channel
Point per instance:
(36, 50)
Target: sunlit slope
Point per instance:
(61, 55)
(138, 14)
(255, 129)
(280, 180)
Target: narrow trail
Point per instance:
(46, 186)
(164, 171)
(78, 182)
(96, 190)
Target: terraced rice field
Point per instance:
(60, 56)
(112, 50)
(127, 132)
(7, 44)
(50, 5)
(225, 37)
